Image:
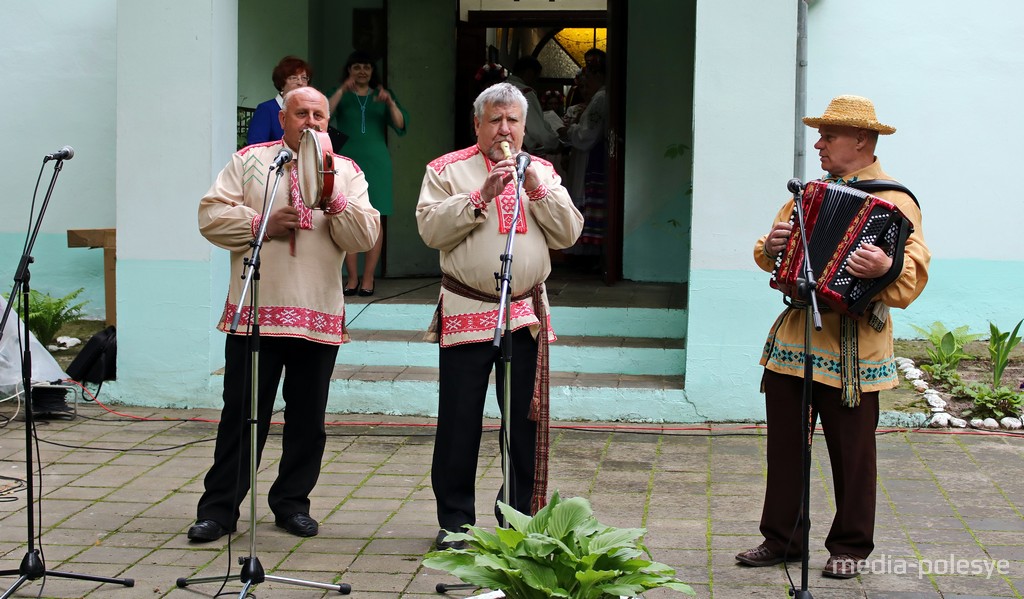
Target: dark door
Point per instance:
(471, 45)
(616, 90)
(471, 48)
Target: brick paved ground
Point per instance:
(118, 495)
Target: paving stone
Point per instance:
(127, 512)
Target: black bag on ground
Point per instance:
(97, 362)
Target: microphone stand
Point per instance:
(501, 340)
(806, 291)
(32, 565)
(252, 572)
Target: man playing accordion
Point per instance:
(852, 358)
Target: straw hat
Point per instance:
(850, 111)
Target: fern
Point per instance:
(49, 314)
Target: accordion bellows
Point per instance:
(838, 220)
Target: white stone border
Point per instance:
(940, 418)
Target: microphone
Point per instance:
(522, 161)
(65, 153)
(284, 156)
(794, 185)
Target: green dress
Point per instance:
(367, 144)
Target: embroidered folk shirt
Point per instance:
(784, 349)
(300, 287)
(471, 237)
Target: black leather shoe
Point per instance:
(299, 524)
(842, 566)
(761, 556)
(204, 531)
(441, 544)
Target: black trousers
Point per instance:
(850, 438)
(308, 366)
(464, 371)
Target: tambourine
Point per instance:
(316, 168)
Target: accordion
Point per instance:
(838, 220)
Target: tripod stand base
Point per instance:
(252, 575)
(801, 594)
(33, 568)
(444, 588)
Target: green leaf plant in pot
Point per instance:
(562, 551)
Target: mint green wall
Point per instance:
(732, 311)
(331, 34)
(268, 31)
(56, 269)
(659, 85)
(423, 81)
(967, 292)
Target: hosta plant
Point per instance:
(562, 551)
(947, 346)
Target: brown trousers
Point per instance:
(850, 438)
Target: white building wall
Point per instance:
(744, 80)
(57, 60)
(175, 132)
(948, 78)
(945, 77)
(143, 103)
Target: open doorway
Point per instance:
(489, 43)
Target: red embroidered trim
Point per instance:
(481, 321)
(539, 192)
(338, 157)
(264, 144)
(439, 164)
(339, 203)
(506, 204)
(477, 201)
(305, 214)
(255, 224)
(290, 317)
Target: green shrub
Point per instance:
(943, 376)
(991, 402)
(947, 346)
(994, 400)
(49, 314)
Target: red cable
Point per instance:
(602, 427)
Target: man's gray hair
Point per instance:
(499, 94)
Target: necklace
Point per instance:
(362, 100)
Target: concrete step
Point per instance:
(620, 354)
(597, 321)
(559, 378)
(570, 353)
(574, 395)
(412, 390)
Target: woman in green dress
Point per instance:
(363, 110)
